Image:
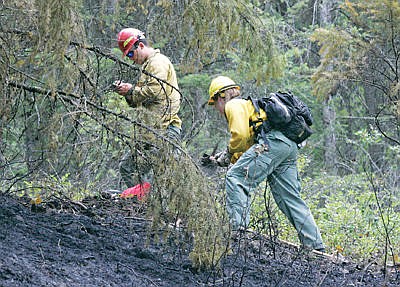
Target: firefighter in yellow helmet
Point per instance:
(251, 161)
(219, 85)
(155, 95)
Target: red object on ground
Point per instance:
(139, 190)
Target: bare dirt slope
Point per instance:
(103, 243)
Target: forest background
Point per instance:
(63, 129)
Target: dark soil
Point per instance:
(105, 242)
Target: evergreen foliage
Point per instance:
(364, 53)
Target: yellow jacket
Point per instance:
(239, 113)
(158, 97)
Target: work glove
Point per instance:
(206, 161)
(223, 158)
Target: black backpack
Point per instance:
(286, 113)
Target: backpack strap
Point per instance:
(264, 128)
(255, 104)
(253, 124)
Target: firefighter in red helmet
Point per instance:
(156, 92)
(128, 38)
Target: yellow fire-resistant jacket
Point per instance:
(239, 113)
(161, 99)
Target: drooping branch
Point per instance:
(101, 52)
(70, 97)
(377, 123)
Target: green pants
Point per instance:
(278, 165)
(135, 168)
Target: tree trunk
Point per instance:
(329, 116)
(329, 113)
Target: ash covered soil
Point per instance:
(106, 242)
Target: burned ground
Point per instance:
(106, 242)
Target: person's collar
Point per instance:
(154, 52)
(151, 55)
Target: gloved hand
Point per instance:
(223, 158)
(205, 160)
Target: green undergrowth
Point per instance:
(356, 218)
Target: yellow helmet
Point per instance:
(218, 85)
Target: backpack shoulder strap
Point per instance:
(255, 103)
(262, 130)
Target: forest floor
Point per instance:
(102, 242)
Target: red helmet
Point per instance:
(127, 38)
